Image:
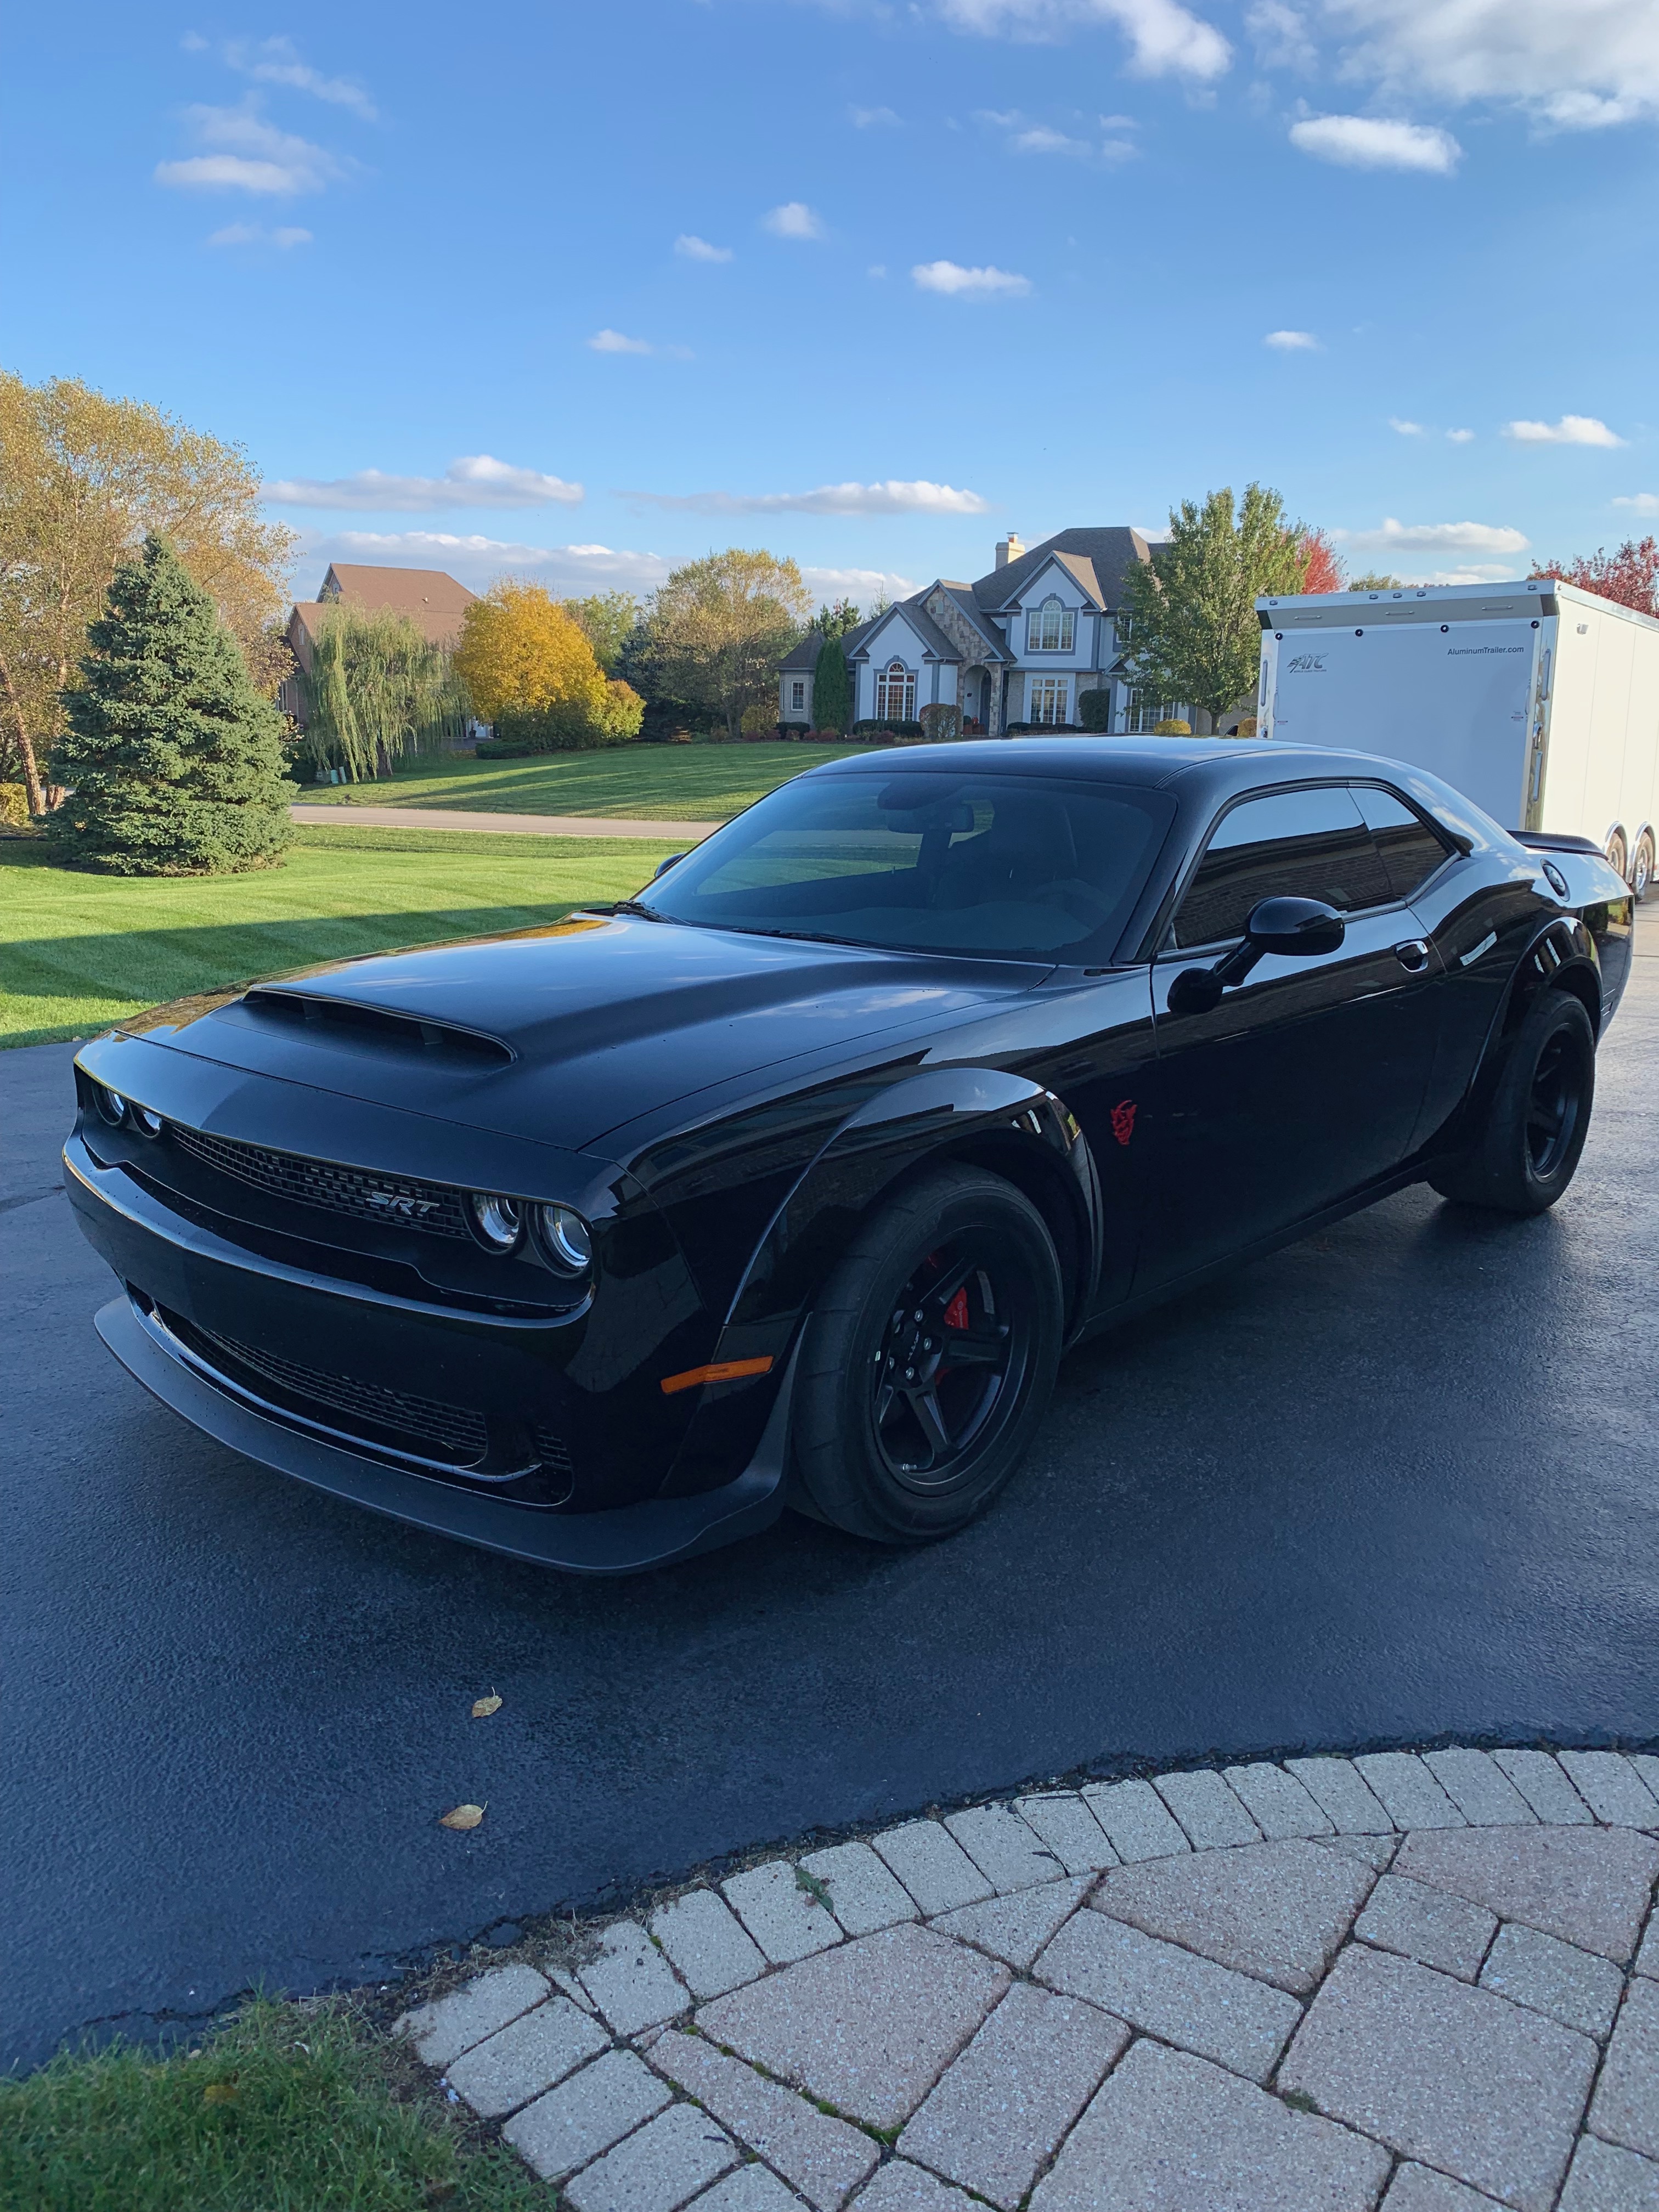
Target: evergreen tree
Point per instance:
(832, 691)
(173, 761)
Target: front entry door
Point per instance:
(1304, 1084)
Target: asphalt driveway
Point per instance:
(1397, 1485)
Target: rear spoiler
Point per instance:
(1549, 840)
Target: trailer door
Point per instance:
(1449, 697)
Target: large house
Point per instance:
(1020, 645)
(434, 602)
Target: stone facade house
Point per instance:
(1019, 646)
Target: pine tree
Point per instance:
(832, 692)
(173, 761)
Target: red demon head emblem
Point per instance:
(1123, 1119)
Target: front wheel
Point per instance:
(1526, 1152)
(929, 1360)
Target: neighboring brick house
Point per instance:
(1020, 645)
(434, 602)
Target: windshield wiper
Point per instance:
(639, 907)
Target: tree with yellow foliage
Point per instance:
(531, 670)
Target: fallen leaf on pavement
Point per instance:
(484, 1706)
(464, 1816)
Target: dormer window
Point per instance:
(1050, 628)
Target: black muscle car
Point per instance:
(789, 1182)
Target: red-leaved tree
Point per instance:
(1629, 575)
(1323, 571)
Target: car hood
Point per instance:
(563, 1034)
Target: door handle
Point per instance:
(1412, 956)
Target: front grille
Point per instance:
(457, 1433)
(431, 1206)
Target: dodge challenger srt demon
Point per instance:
(789, 1181)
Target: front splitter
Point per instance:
(627, 1539)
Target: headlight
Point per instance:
(497, 1223)
(148, 1124)
(566, 1240)
(111, 1107)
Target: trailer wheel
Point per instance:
(1641, 874)
(1619, 854)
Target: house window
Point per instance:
(798, 695)
(1046, 699)
(1050, 628)
(895, 693)
(1146, 710)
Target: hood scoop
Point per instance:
(349, 1025)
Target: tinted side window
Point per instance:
(1297, 844)
(1409, 850)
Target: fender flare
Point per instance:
(1002, 1120)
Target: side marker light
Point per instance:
(722, 1370)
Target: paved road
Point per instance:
(499, 825)
(1399, 1483)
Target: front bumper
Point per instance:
(623, 1540)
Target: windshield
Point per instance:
(929, 860)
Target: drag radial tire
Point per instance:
(929, 1360)
(1527, 1150)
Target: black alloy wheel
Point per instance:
(1527, 1150)
(928, 1360)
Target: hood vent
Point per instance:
(372, 1028)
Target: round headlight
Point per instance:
(148, 1124)
(497, 1223)
(111, 1107)
(565, 1239)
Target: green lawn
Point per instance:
(285, 2110)
(651, 783)
(80, 950)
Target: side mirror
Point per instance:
(1298, 928)
(663, 866)
(1294, 926)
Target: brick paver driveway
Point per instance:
(1395, 1486)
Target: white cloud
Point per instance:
(877, 268)
(614, 342)
(1405, 429)
(1292, 340)
(872, 119)
(251, 234)
(1478, 572)
(249, 155)
(1165, 39)
(950, 278)
(1435, 537)
(1642, 502)
(1281, 38)
(864, 587)
(274, 61)
(1580, 67)
(474, 480)
(1570, 431)
(476, 559)
(917, 497)
(1372, 141)
(689, 247)
(1460, 437)
(794, 219)
(193, 42)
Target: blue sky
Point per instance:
(582, 292)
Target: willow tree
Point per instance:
(377, 689)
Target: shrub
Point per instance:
(758, 720)
(885, 729)
(1094, 711)
(941, 725)
(1172, 729)
(832, 689)
(567, 726)
(173, 760)
(16, 820)
(1247, 727)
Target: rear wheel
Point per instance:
(1527, 1150)
(1641, 871)
(1619, 854)
(929, 1360)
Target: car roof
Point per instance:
(1219, 765)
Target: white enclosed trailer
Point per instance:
(1537, 700)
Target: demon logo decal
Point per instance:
(1123, 1119)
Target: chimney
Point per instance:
(1008, 549)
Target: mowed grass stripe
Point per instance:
(79, 950)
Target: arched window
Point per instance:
(1050, 628)
(895, 693)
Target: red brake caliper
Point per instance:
(955, 1314)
